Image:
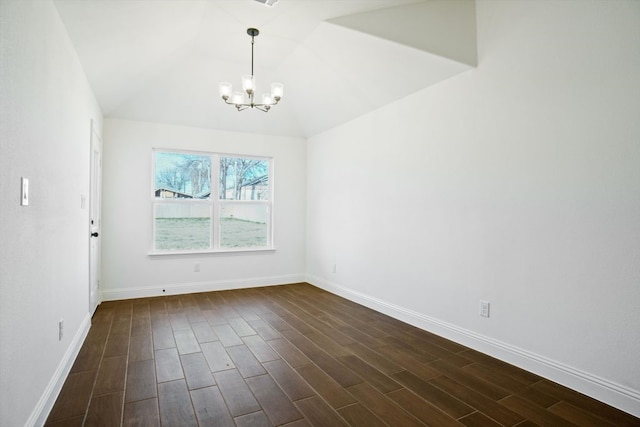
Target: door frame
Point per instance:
(95, 214)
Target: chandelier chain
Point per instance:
(252, 43)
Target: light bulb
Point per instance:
(237, 98)
(267, 99)
(277, 90)
(225, 90)
(248, 84)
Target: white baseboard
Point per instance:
(613, 394)
(193, 287)
(45, 404)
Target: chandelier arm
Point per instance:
(240, 107)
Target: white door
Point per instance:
(94, 219)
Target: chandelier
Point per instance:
(240, 100)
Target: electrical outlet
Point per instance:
(484, 308)
(60, 329)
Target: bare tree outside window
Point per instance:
(185, 173)
(243, 179)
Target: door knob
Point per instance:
(94, 234)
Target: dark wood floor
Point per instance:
(295, 355)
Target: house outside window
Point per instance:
(211, 202)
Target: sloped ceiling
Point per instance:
(162, 60)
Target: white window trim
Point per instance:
(211, 251)
(215, 203)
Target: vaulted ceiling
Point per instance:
(162, 60)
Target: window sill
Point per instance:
(210, 252)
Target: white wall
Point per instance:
(517, 183)
(46, 107)
(129, 271)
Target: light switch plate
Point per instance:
(24, 191)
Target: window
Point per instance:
(192, 215)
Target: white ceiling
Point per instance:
(162, 60)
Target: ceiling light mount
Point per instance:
(267, 2)
(239, 99)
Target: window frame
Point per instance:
(214, 202)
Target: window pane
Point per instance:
(182, 176)
(182, 226)
(243, 225)
(244, 179)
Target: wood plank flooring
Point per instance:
(296, 356)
